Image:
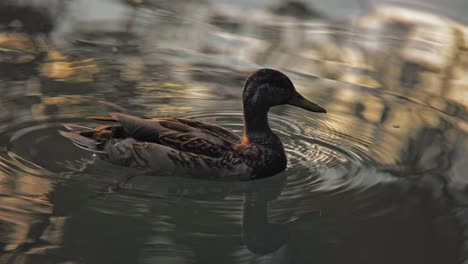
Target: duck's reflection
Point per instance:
(259, 235)
(220, 213)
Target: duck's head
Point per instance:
(265, 88)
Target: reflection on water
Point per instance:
(380, 179)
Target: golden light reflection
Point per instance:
(78, 71)
(61, 68)
(359, 79)
(426, 49)
(17, 48)
(458, 83)
(463, 126)
(19, 211)
(55, 55)
(176, 90)
(61, 100)
(431, 82)
(407, 16)
(402, 122)
(400, 126)
(373, 108)
(133, 70)
(430, 119)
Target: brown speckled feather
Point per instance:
(181, 134)
(174, 146)
(162, 158)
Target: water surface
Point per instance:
(381, 178)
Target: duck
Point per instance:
(189, 147)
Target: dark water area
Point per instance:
(381, 178)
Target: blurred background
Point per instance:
(381, 178)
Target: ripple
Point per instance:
(320, 155)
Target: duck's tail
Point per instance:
(111, 142)
(83, 137)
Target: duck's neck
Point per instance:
(256, 128)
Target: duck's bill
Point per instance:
(299, 101)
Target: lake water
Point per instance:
(381, 178)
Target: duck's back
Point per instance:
(178, 133)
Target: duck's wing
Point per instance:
(214, 129)
(163, 159)
(181, 134)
